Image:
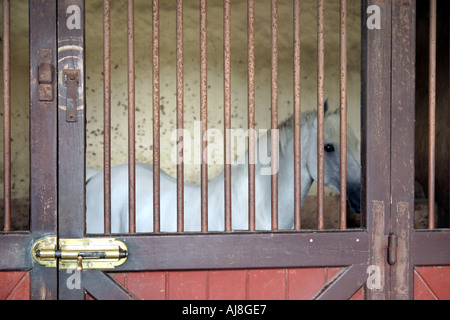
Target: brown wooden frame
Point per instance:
(57, 181)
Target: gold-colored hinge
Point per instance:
(83, 253)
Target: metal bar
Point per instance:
(297, 120)
(107, 113)
(251, 111)
(6, 115)
(320, 114)
(343, 116)
(131, 120)
(180, 80)
(432, 117)
(274, 112)
(156, 119)
(203, 114)
(227, 109)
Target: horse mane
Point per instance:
(332, 126)
(286, 128)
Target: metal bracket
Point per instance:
(72, 82)
(80, 254)
(45, 74)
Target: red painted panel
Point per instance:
(227, 285)
(147, 285)
(359, 295)
(301, 283)
(437, 279)
(14, 285)
(304, 284)
(187, 285)
(330, 273)
(267, 284)
(421, 291)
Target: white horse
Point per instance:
(192, 206)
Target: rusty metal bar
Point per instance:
(6, 115)
(107, 114)
(343, 116)
(227, 108)
(432, 116)
(320, 114)
(180, 83)
(274, 112)
(156, 119)
(131, 120)
(251, 111)
(297, 120)
(203, 115)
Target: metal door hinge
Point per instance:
(84, 253)
(392, 248)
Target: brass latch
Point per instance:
(84, 253)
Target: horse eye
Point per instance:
(329, 148)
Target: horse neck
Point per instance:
(285, 169)
(286, 163)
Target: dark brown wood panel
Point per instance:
(375, 132)
(245, 250)
(43, 144)
(14, 249)
(431, 248)
(71, 131)
(402, 145)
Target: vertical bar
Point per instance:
(107, 113)
(251, 111)
(203, 115)
(376, 137)
(274, 112)
(43, 143)
(131, 120)
(71, 152)
(227, 109)
(297, 120)
(320, 114)
(180, 80)
(156, 119)
(343, 116)
(403, 80)
(6, 115)
(432, 116)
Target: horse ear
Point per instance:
(337, 111)
(325, 107)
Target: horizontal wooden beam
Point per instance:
(15, 251)
(431, 248)
(245, 250)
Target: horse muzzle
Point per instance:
(354, 199)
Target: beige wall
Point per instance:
(191, 71)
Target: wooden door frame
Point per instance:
(388, 181)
